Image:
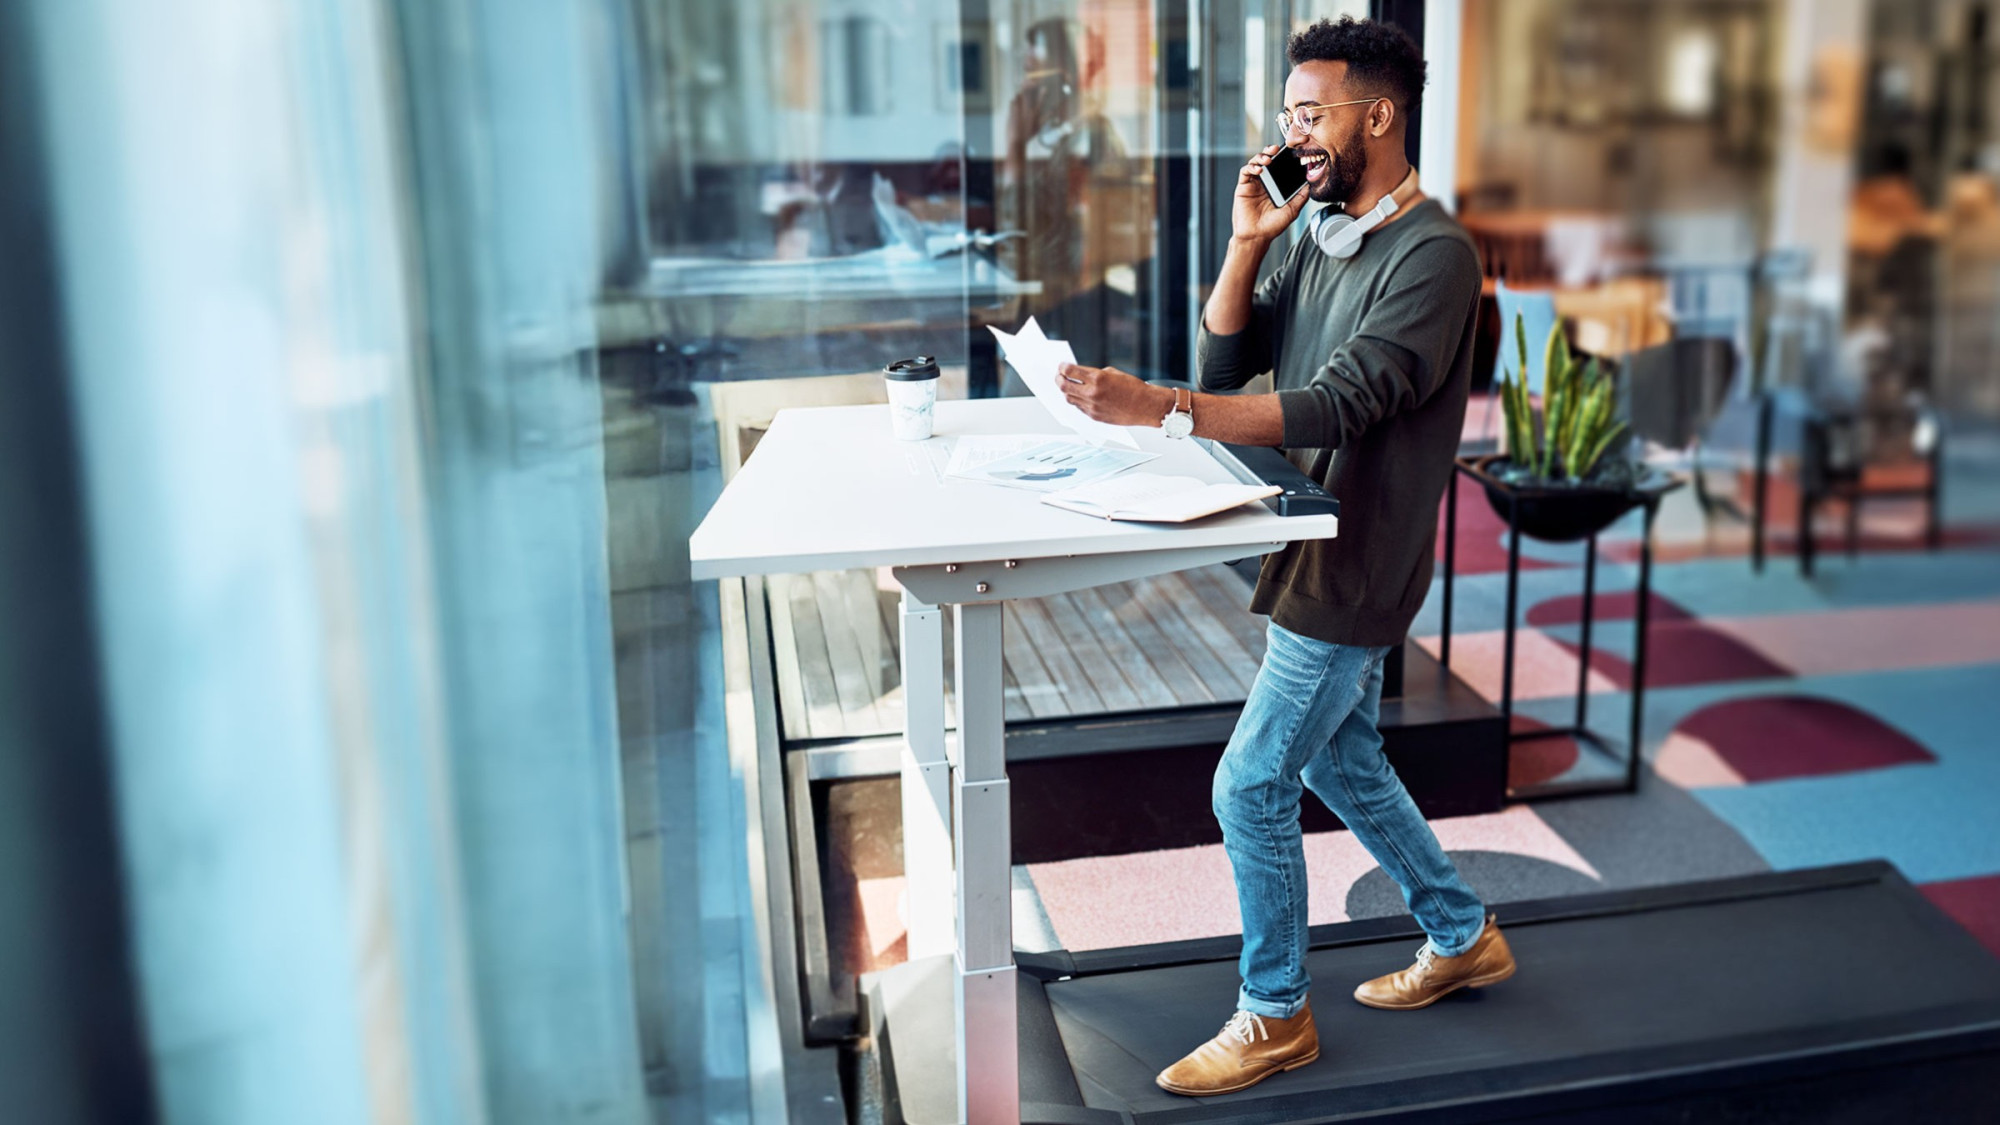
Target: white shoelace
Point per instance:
(1425, 957)
(1240, 1027)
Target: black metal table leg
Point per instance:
(1805, 530)
(1933, 490)
(1583, 653)
(1760, 497)
(1513, 593)
(1634, 752)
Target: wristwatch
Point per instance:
(1179, 421)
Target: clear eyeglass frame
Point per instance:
(1302, 117)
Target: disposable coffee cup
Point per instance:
(912, 396)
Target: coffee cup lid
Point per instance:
(912, 370)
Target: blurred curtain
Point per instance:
(230, 279)
(70, 1047)
(510, 194)
(325, 273)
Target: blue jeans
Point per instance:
(1310, 723)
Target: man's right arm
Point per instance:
(1231, 303)
(1234, 346)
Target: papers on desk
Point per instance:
(1152, 498)
(974, 451)
(1045, 466)
(1035, 358)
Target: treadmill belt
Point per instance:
(1673, 981)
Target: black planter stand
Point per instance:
(1510, 500)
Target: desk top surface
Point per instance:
(829, 488)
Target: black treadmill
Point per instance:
(1832, 995)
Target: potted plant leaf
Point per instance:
(1564, 475)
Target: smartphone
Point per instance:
(1283, 177)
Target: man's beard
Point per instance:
(1344, 168)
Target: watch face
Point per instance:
(1178, 424)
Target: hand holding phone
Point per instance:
(1284, 176)
(1269, 195)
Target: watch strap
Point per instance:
(1182, 407)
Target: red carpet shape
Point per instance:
(1972, 903)
(1681, 653)
(1612, 605)
(1772, 737)
(1538, 759)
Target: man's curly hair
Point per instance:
(1380, 57)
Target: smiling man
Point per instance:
(1368, 332)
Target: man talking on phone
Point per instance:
(1367, 326)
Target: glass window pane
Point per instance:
(1075, 141)
(805, 166)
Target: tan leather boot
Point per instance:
(1489, 961)
(1248, 1049)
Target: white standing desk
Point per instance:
(829, 488)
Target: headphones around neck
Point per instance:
(1339, 234)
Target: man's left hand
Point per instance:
(1110, 395)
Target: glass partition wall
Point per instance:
(1069, 133)
(805, 199)
(831, 183)
(827, 185)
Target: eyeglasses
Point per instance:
(1302, 118)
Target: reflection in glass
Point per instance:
(805, 171)
(1075, 177)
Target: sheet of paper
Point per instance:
(928, 458)
(1035, 358)
(1051, 466)
(974, 450)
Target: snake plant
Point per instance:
(1579, 416)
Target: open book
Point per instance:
(1157, 499)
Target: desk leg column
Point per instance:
(989, 1084)
(926, 782)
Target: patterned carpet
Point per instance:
(1788, 723)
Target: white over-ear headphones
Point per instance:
(1339, 234)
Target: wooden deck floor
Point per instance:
(1177, 640)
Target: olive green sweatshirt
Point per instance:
(1372, 359)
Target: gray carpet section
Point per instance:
(1658, 835)
(1496, 876)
